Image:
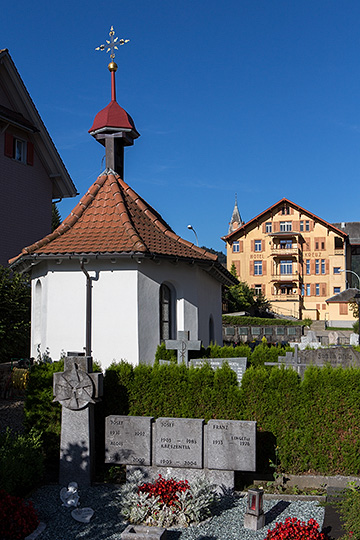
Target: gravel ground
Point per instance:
(106, 523)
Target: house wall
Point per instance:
(25, 202)
(303, 291)
(125, 307)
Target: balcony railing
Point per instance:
(280, 252)
(285, 277)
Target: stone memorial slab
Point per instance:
(333, 337)
(164, 362)
(143, 532)
(128, 439)
(230, 445)
(354, 339)
(178, 442)
(236, 364)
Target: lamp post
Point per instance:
(357, 296)
(193, 230)
(351, 272)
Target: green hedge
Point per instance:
(258, 321)
(309, 425)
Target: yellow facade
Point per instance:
(296, 259)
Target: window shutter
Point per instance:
(343, 309)
(9, 145)
(251, 268)
(312, 289)
(264, 268)
(312, 266)
(323, 289)
(263, 289)
(252, 245)
(296, 225)
(276, 226)
(327, 263)
(30, 153)
(237, 267)
(241, 246)
(264, 227)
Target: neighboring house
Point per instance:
(31, 171)
(294, 258)
(114, 278)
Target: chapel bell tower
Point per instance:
(113, 127)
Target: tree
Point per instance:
(55, 217)
(15, 300)
(241, 297)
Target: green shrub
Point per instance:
(349, 506)
(162, 353)
(259, 321)
(21, 461)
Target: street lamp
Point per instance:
(192, 229)
(352, 272)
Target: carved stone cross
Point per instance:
(183, 345)
(77, 388)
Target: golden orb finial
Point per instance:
(112, 66)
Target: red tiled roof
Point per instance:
(262, 216)
(112, 218)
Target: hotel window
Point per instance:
(338, 243)
(317, 266)
(258, 268)
(285, 244)
(257, 245)
(307, 225)
(308, 266)
(285, 267)
(301, 226)
(322, 246)
(268, 227)
(236, 247)
(337, 269)
(317, 289)
(258, 290)
(285, 226)
(308, 290)
(336, 290)
(323, 266)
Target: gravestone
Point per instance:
(77, 388)
(354, 339)
(178, 442)
(310, 340)
(230, 445)
(183, 345)
(236, 364)
(333, 337)
(128, 439)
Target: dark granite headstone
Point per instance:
(128, 439)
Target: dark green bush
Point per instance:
(21, 461)
(259, 321)
(349, 506)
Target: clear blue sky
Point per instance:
(258, 97)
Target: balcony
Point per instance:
(283, 296)
(277, 251)
(285, 277)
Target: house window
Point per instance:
(307, 225)
(268, 227)
(343, 309)
(258, 268)
(316, 245)
(337, 269)
(317, 289)
(301, 226)
(257, 245)
(308, 266)
(285, 210)
(323, 266)
(308, 290)
(286, 267)
(236, 247)
(322, 246)
(257, 290)
(20, 150)
(285, 226)
(337, 290)
(317, 266)
(166, 312)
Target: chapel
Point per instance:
(114, 280)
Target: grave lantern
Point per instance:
(254, 517)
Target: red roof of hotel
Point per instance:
(261, 217)
(112, 218)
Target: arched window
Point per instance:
(167, 312)
(211, 330)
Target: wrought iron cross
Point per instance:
(112, 45)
